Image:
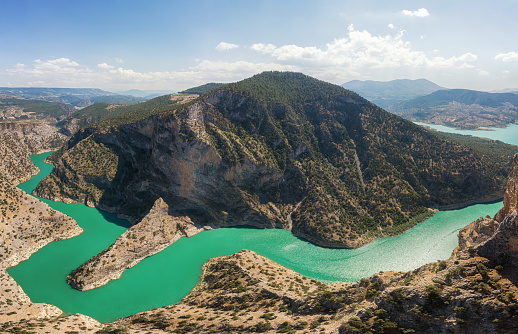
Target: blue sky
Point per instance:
(158, 44)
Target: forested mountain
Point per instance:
(386, 93)
(461, 108)
(275, 150)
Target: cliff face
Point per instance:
(502, 247)
(276, 150)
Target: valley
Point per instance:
(266, 155)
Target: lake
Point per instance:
(168, 276)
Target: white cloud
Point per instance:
(421, 12)
(66, 73)
(483, 73)
(226, 46)
(119, 61)
(509, 56)
(391, 26)
(105, 66)
(263, 48)
(360, 50)
(53, 66)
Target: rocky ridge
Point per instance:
(279, 150)
(155, 232)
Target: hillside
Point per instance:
(461, 108)
(203, 89)
(276, 150)
(386, 93)
(103, 111)
(15, 109)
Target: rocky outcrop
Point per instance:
(511, 193)
(156, 231)
(502, 246)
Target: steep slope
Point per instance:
(386, 93)
(276, 150)
(461, 108)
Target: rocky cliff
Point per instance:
(276, 150)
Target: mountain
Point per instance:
(13, 109)
(203, 89)
(386, 93)
(275, 150)
(461, 108)
(73, 97)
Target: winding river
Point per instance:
(168, 276)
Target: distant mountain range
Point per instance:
(386, 93)
(16, 109)
(461, 108)
(146, 94)
(80, 97)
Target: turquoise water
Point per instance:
(507, 135)
(168, 276)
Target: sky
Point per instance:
(174, 45)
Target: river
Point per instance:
(168, 276)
